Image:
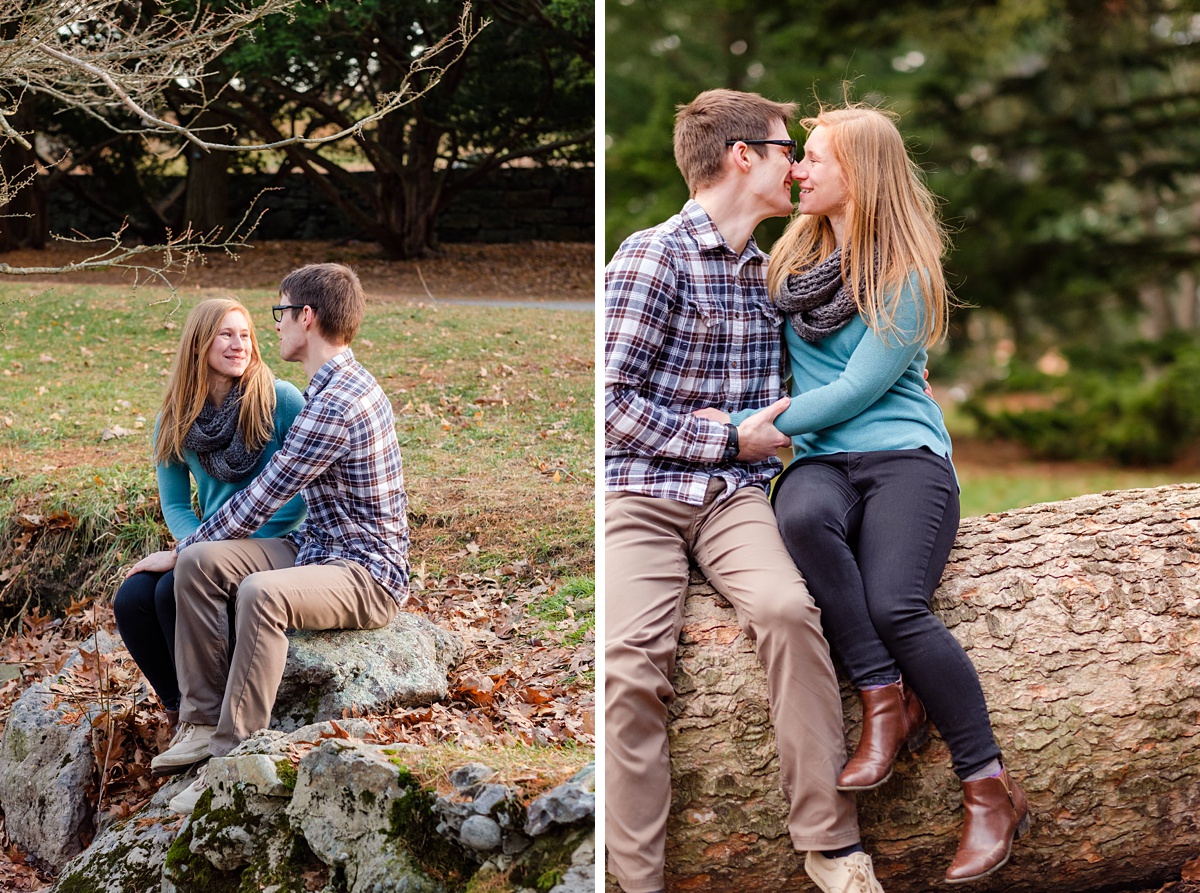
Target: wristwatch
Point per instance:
(731, 443)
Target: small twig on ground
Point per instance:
(423, 285)
(17, 617)
(102, 684)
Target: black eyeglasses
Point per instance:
(277, 310)
(791, 146)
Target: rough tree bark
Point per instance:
(206, 205)
(1083, 619)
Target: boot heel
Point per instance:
(1022, 827)
(918, 738)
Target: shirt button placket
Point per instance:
(737, 345)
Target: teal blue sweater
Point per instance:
(857, 391)
(175, 489)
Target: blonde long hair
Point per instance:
(892, 231)
(187, 388)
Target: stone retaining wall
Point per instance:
(511, 205)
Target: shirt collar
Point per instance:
(701, 227)
(327, 371)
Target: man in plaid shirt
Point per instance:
(688, 327)
(346, 567)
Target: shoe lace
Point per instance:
(862, 878)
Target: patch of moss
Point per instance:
(543, 865)
(289, 875)
(489, 880)
(413, 823)
(19, 745)
(286, 770)
(311, 704)
(190, 872)
(99, 872)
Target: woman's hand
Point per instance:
(712, 414)
(158, 563)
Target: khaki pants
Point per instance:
(270, 596)
(736, 544)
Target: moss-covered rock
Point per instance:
(351, 821)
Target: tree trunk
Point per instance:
(409, 184)
(1083, 620)
(409, 206)
(206, 206)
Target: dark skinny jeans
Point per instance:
(871, 533)
(145, 610)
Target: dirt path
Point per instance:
(543, 272)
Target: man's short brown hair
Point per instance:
(704, 124)
(335, 295)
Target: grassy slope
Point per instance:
(494, 416)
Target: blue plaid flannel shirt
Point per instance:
(687, 324)
(342, 453)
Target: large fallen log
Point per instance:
(1083, 619)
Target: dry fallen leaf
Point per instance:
(1191, 870)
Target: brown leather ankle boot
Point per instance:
(892, 716)
(997, 813)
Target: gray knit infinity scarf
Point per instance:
(816, 301)
(218, 442)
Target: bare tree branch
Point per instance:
(175, 254)
(432, 63)
(111, 59)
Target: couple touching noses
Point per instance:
(302, 514)
(850, 549)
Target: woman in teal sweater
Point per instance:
(222, 418)
(869, 507)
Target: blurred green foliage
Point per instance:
(1139, 405)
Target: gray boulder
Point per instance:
(46, 763)
(128, 856)
(329, 672)
(352, 805)
(581, 876)
(351, 812)
(47, 767)
(570, 803)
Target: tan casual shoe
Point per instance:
(849, 874)
(185, 801)
(189, 748)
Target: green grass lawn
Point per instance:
(493, 405)
(997, 477)
(985, 492)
